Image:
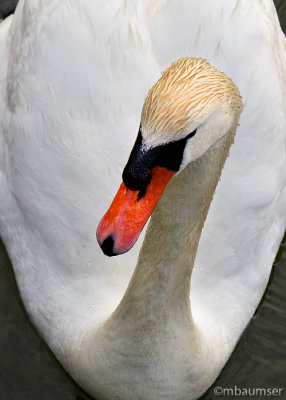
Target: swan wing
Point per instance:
(74, 103)
(4, 56)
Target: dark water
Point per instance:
(29, 371)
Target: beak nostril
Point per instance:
(107, 246)
(141, 193)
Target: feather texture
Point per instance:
(72, 86)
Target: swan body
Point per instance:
(72, 86)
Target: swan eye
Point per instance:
(170, 155)
(138, 170)
(190, 135)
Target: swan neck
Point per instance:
(160, 287)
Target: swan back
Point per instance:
(73, 106)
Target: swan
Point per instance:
(71, 102)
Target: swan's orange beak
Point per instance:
(120, 227)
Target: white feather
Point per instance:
(73, 80)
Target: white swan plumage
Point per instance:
(72, 85)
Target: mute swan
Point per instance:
(54, 132)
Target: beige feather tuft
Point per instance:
(189, 89)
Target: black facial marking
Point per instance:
(137, 172)
(171, 154)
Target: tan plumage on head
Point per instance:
(189, 89)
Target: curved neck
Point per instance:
(159, 290)
(151, 333)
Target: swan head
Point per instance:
(188, 109)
